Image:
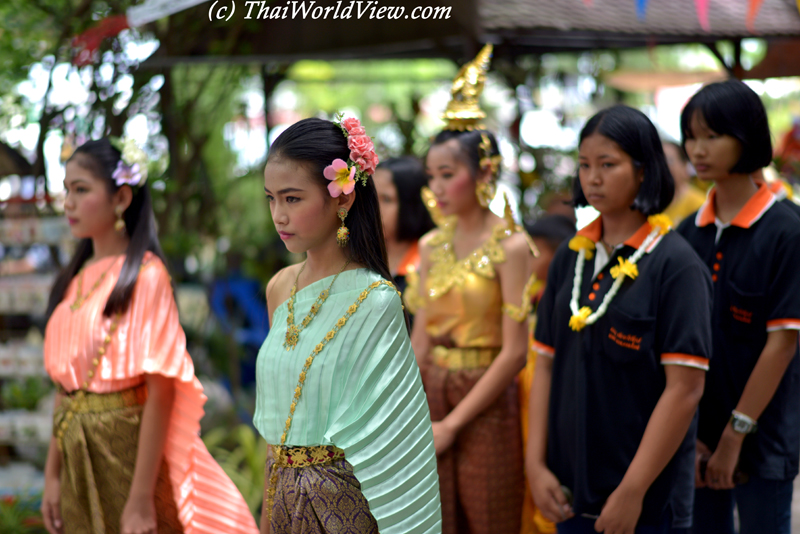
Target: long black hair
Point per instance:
(315, 143)
(637, 137)
(408, 176)
(469, 142)
(100, 158)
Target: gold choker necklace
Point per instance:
(292, 330)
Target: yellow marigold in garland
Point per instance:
(788, 188)
(580, 242)
(660, 221)
(625, 268)
(578, 321)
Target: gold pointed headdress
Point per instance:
(463, 111)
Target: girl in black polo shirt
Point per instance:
(749, 428)
(624, 326)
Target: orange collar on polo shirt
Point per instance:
(594, 231)
(752, 211)
(780, 189)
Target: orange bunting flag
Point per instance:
(752, 13)
(701, 7)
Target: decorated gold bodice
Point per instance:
(462, 297)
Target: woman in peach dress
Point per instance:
(126, 454)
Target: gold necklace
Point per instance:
(292, 330)
(298, 390)
(79, 297)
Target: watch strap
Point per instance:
(747, 421)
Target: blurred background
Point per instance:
(205, 97)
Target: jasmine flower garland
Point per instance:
(583, 316)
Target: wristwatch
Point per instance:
(742, 424)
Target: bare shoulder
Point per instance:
(516, 270)
(426, 242)
(517, 248)
(279, 288)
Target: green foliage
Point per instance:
(243, 456)
(29, 33)
(251, 232)
(332, 86)
(25, 394)
(222, 351)
(20, 515)
(191, 202)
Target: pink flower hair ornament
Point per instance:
(341, 176)
(361, 163)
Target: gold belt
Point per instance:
(81, 401)
(464, 358)
(298, 457)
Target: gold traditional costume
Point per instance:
(481, 476)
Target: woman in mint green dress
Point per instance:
(340, 399)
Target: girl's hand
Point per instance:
(139, 516)
(621, 512)
(548, 495)
(702, 452)
(443, 436)
(722, 464)
(51, 505)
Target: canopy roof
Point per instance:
(516, 27)
(565, 25)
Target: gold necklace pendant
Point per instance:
(292, 337)
(80, 298)
(292, 330)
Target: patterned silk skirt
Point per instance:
(98, 436)
(317, 493)
(481, 476)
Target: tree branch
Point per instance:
(717, 54)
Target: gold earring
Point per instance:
(343, 233)
(119, 226)
(485, 191)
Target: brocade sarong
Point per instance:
(98, 435)
(481, 477)
(323, 498)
